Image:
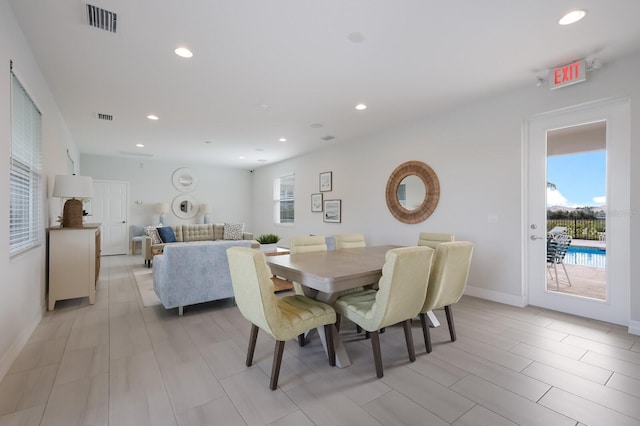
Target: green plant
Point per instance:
(268, 239)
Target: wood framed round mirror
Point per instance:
(413, 192)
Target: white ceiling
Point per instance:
(409, 58)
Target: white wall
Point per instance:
(22, 287)
(476, 151)
(227, 190)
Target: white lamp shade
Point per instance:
(72, 186)
(162, 208)
(206, 208)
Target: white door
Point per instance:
(616, 113)
(109, 207)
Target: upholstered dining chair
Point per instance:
(306, 245)
(401, 293)
(447, 282)
(344, 241)
(432, 239)
(283, 318)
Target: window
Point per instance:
(284, 198)
(25, 189)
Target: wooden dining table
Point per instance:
(325, 274)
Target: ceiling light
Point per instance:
(152, 117)
(241, 157)
(139, 145)
(572, 17)
(361, 107)
(183, 52)
(282, 140)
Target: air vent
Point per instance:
(327, 138)
(135, 154)
(106, 117)
(101, 18)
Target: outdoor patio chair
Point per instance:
(557, 247)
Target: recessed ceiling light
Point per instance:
(282, 140)
(183, 52)
(139, 145)
(572, 17)
(152, 117)
(241, 157)
(361, 107)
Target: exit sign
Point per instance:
(567, 75)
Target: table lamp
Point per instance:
(162, 209)
(72, 187)
(206, 209)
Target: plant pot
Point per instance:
(269, 247)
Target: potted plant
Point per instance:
(268, 242)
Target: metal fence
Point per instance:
(583, 229)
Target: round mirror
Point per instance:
(184, 180)
(413, 192)
(184, 206)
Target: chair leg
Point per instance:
(425, 331)
(408, 336)
(358, 329)
(330, 348)
(377, 356)
(277, 360)
(452, 328)
(338, 318)
(252, 344)
(301, 339)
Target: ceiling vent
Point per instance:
(106, 117)
(101, 18)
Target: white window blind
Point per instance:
(284, 199)
(25, 187)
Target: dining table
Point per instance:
(324, 275)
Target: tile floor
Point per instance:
(117, 363)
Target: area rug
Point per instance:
(144, 282)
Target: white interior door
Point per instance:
(109, 207)
(616, 113)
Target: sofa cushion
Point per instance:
(167, 235)
(197, 232)
(233, 231)
(152, 231)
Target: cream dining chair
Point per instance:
(447, 282)
(401, 294)
(432, 239)
(312, 243)
(283, 318)
(344, 241)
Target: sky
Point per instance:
(580, 179)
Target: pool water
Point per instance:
(594, 257)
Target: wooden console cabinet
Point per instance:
(74, 262)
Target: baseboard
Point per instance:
(18, 344)
(634, 327)
(496, 296)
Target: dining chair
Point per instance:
(283, 318)
(557, 246)
(432, 239)
(344, 241)
(447, 282)
(401, 294)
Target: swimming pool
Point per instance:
(594, 257)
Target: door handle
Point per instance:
(533, 238)
(124, 221)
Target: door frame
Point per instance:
(617, 114)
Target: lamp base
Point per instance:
(72, 214)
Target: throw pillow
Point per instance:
(167, 235)
(233, 231)
(152, 232)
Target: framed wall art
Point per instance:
(332, 211)
(325, 181)
(316, 202)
